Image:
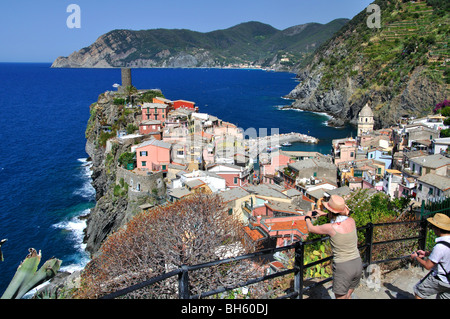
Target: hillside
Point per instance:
(247, 44)
(400, 69)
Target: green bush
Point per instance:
(119, 101)
(126, 158)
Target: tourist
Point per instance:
(347, 264)
(438, 261)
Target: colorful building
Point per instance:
(184, 104)
(235, 176)
(151, 127)
(152, 155)
(155, 111)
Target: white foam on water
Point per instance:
(86, 191)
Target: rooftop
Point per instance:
(233, 194)
(438, 181)
(154, 142)
(265, 190)
(432, 161)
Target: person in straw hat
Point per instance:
(438, 261)
(347, 264)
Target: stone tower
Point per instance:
(126, 77)
(365, 120)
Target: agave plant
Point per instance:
(28, 276)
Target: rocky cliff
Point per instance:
(398, 69)
(251, 44)
(117, 202)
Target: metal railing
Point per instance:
(298, 269)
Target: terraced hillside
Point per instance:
(400, 68)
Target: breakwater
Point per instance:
(276, 141)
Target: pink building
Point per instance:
(344, 150)
(235, 176)
(152, 155)
(275, 161)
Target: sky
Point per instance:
(37, 30)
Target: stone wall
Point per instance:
(141, 184)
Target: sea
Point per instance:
(45, 176)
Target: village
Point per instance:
(270, 188)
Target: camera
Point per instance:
(315, 213)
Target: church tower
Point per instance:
(365, 120)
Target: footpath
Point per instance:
(397, 284)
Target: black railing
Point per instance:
(298, 269)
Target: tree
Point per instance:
(129, 91)
(126, 158)
(191, 231)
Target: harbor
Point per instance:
(276, 141)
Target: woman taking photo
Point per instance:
(347, 264)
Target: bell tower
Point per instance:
(365, 120)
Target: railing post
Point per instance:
(369, 243)
(423, 233)
(183, 283)
(298, 265)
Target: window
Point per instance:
(143, 153)
(144, 163)
(430, 191)
(235, 181)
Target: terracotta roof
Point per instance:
(254, 234)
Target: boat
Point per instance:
(287, 144)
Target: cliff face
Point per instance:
(248, 44)
(117, 202)
(399, 69)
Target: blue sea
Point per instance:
(44, 173)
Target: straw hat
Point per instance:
(336, 205)
(440, 221)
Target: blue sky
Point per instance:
(36, 30)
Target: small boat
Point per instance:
(287, 144)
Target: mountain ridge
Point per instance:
(248, 44)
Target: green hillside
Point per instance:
(391, 66)
(252, 43)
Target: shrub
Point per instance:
(126, 158)
(188, 232)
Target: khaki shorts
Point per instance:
(346, 276)
(432, 286)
